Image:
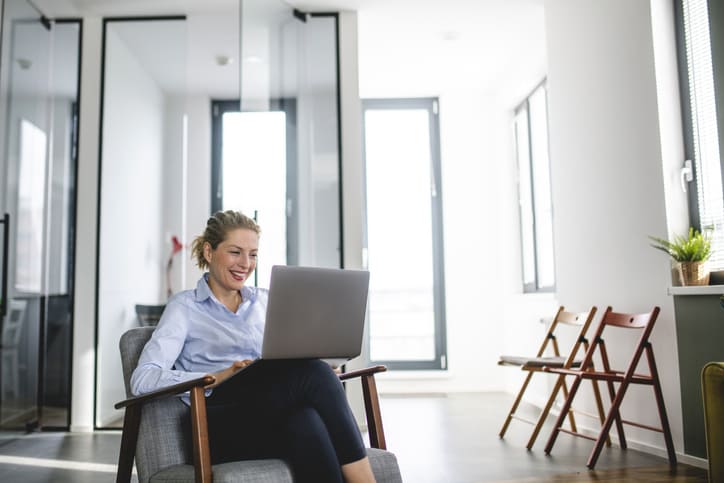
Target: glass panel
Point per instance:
(143, 145)
(399, 234)
(55, 393)
(26, 106)
(704, 126)
(254, 148)
(289, 72)
(525, 181)
(541, 188)
(31, 208)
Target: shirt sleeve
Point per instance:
(155, 364)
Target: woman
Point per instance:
(290, 409)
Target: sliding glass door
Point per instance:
(276, 151)
(39, 79)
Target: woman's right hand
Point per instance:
(223, 375)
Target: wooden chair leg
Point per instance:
(571, 419)
(131, 423)
(662, 408)
(619, 424)
(599, 407)
(200, 435)
(562, 416)
(613, 416)
(514, 407)
(546, 410)
(372, 410)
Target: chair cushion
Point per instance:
(552, 361)
(252, 471)
(384, 466)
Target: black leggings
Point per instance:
(296, 410)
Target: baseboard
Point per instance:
(657, 451)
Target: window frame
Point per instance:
(431, 105)
(688, 126)
(527, 191)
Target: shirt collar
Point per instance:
(203, 291)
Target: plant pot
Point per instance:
(693, 273)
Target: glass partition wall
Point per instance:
(284, 135)
(234, 109)
(38, 102)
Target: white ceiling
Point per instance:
(406, 47)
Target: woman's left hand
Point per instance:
(223, 375)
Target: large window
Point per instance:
(706, 204)
(534, 191)
(404, 233)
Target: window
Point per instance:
(404, 233)
(706, 204)
(534, 192)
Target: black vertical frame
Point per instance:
(101, 97)
(73, 156)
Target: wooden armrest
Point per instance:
(372, 403)
(199, 429)
(166, 391)
(367, 371)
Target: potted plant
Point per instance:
(690, 254)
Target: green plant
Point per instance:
(694, 248)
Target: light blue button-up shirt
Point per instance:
(198, 335)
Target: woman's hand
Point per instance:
(223, 375)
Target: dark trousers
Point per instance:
(296, 410)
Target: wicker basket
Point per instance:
(693, 273)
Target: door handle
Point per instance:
(6, 237)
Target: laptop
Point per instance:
(315, 313)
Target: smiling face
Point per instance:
(232, 262)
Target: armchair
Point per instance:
(153, 432)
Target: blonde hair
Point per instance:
(217, 227)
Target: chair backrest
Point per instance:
(149, 315)
(581, 320)
(161, 438)
(643, 322)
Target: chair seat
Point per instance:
(552, 361)
(384, 466)
(252, 471)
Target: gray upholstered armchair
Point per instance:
(153, 432)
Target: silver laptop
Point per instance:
(315, 313)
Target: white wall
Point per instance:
(608, 181)
(482, 261)
(131, 261)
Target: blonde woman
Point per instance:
(290, 409)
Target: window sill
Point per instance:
(697, 290)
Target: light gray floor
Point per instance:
(437, 439)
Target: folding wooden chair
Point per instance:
(645, 324)
(579, 321)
